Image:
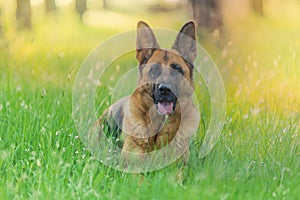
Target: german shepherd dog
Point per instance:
(161, 106)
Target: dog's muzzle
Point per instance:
(164, 98)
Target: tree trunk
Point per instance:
(208, 15)
(23, 14)
(257, 6)
(50, 5)
(80, 7)
(104, 4)
(1, 28)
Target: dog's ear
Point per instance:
(185, 42)
(145, 42)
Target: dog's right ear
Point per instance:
(145, 42)
(185, 42)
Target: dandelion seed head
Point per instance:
(118, 68)
(108, 158)
(43, 130)
(255, 111)
(97, 83)
(281, 139)
(231, 62)
(110, 89)
(229, 43)
(255, 64)
(275, 63)
(23, 105)
(33, 153)
(38, 162)
(224, 52)
(112, 78)
(43, 92)
(57, 144)
(294, 55)
(18, 88)
(257, 83)
(24, 176)
(4, 155)
(98, 65)
(235, 78)
(69, 77)
(245, 116)
(90, 76)
(61, 54)
(279, 57)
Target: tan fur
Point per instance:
(144, 129)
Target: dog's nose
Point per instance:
(164, 88)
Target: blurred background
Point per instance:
(255, 43)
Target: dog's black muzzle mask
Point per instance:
(164, 98)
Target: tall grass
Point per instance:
(256, 157)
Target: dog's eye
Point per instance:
(155, 71)
(177, 68)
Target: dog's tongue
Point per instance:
(165, 108)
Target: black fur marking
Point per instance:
(113, 127)
(118, 117)
(191, 68)
(177, 68)
(143, 63)
(155, 71)
(166, 56)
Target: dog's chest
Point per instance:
(167, 133)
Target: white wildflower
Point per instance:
(38, 162)
(18, 88)
(43, 91)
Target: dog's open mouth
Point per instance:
(165, 107)
(164, 99)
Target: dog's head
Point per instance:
(169, 73)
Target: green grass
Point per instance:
(257, 155)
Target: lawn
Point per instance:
(257, 155)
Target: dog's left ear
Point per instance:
(185, 42)
(145, 42)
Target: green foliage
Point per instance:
(257, 155)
